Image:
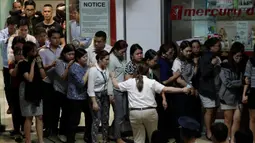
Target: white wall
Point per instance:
(143, 21)
(119, 20)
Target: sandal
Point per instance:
(208, 138)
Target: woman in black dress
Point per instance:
(32, 73)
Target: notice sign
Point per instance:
(94, 16)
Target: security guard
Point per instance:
(189, 129)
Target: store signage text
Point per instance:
(94, 4)
(178, 12)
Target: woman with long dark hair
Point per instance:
(231, 89)
(136, 56)
(249, 91)
(97, 91)
(117, 64)
(184, 105)
(142, 104)
(32, 73)
(60, 85)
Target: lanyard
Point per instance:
(103, 75)
(105, 78)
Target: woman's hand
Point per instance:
(247, 81)
(245, 99)
(95, 106)
(164, 103)
(186, 90)
(112, 74)
(111, 98)
(39, 62)
(70, 63)
(195, 60)
(33, 63)
(193, 91)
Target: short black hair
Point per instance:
(244, 136)
(52, 31)
(23, 22)
(60, 4)
(101, 34)
(40, 30)
(219, 132)
(79, 53)
(48, 5)
(16, 2)
(30, 2)
(211, 42)
(17, 39)
(27, 47)
(10, 21)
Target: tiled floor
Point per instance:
(6, 120)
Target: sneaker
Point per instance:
(62, 138)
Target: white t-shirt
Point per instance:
(145, 98)
(176, 65)
(92, 55)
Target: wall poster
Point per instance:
(95, 16)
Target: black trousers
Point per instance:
(7, 83)
(185, 105)
(49, 107)
(165, 118)
(75, 107)
(17, 119)
(62, 105)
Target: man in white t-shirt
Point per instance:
(99, 45)
(23, 32)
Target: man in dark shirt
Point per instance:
(49, 23)
(32, 16)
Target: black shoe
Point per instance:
(2, 128)
(47, 133)
(87, 139)
(14, 133)
(19, 138)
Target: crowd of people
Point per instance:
(158, 93)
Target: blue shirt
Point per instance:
(165, 69)
(4, 35)
(76, 87)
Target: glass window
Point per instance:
(231, 20)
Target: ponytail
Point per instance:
(142, 69)
(139, 82)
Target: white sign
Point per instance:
(225, 4)
(242, 28)
(244, 4)
(94, 16)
